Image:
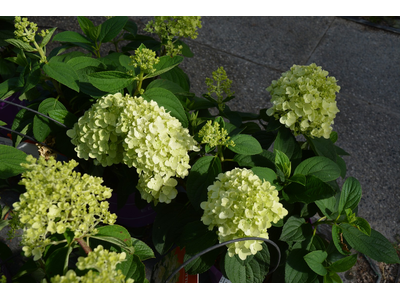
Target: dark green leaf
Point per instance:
(294, 230)
(64, 117)
(344, 264)
(267, 174)
(47, 37)
(62, 73)
(21, 45)
(142, 250)
(362, 225)
(133, 268)
(283, 163)
(116, 231)
(55, 263)
(169, 101)
(110, 81)
(245, 144)
(179, 77)
(10, 160)
(315, 259)
(111, 28)
(202, 174)
(41, 125)
(131, 27)
(337, 237)
(81, 62)
(264, 159)
(375, 246)
(342, 165)
(351, 194)
(286, 142)
(165, 64)
(332, 277)
(296, 268)
(252, 272)
(314, 190)
(319, 166)
(328, 206)
(71, 37)
(88, 28)
(323, 147)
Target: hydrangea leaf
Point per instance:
(319, 166)
(344, 264)
(245, 144)
(315, 259)
(169, 101)
(62, 73)
(202, 174)
(111, 28)
(252, 272)
(110, 81)
(133, 268)
(351, 194)
(10, 160)
(376, 246)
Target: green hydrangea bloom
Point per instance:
(222, 85)
(26, 30)
(168, 28)
(103, 261)
(214, 136)
(304, 100)
(145, 59)
(140, 134)
(240, 204)
(56, 199)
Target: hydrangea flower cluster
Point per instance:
(56, 199)
(26, 30)
(214, 136)
(103, 261)
(304, 100)
(140, 134)
(222, 84)
(167, 28)
(240, 204)
(145, 59)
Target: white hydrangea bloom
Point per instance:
(140, 134)
(240, 204)
(56, 199)
(103, 261)
(304, 100)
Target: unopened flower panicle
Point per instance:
(240, 204)
(140, 134)
(26, 30)
(214, 136)
(222, 84)
(103, 261)
(56, 199)
(145, 59)
(167, 28)
(304, 100)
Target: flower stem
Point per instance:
(84, 246)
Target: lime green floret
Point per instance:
(240, 204)
(214, 136)
(169, 28)
(56, 199)
(304, 100)
(102, 264)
